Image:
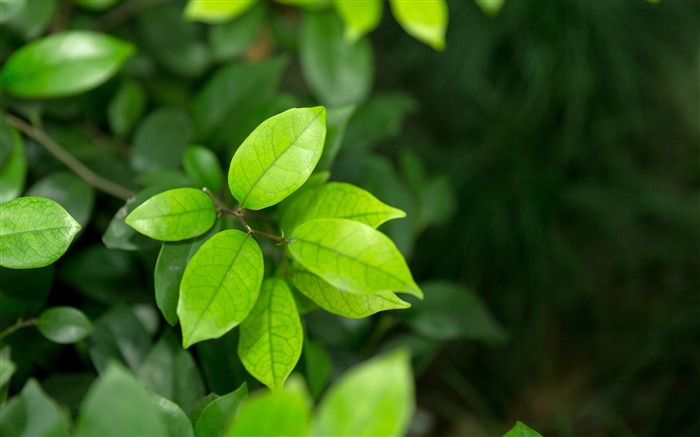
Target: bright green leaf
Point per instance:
(373, 398)
(271, 336)
(176, 422)
(360, 16)
(160, 140)
(9, 9)
(272, 414)
(34, 232)
(220, 286)
(174, 215)
(203, 168)
(277, 157)
(69, 191)
(216, 11)
(352, 256)
(522, 430)
(64, 325)
(424, 20)
(338, 200)
(355, 306)
(13, 170)
(217, 416)
(64, 64)
(33, 413)
(117, 405)
(490, 7)
(126, 107)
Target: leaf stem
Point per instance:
(69, 160)
(19, 325)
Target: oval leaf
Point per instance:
(34, 232)
(220, 286)
(352, 256)
(354, 306)
(338, 200)
(271, 336)
(360, 17)
(202, 167)
(216, 11)
(126, 107)
(281, 413)
(277, 157)
(64, 325)
(64, 64)
(424, 20)
(174, 215)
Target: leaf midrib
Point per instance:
(36, 231)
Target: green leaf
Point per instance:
(354, 306)
(23, 292)
(117, 405)
(9, 9)
(312, 5)
(220, 286)
(424, 20)
(373, 398)
(338, 200)
(14, 166)
(338, 71)
(126, 107)
(381, 117)
(69, 191)
(97, 5)
(174, 215)
(34, 232)
(33, 19)
(217, 416)
(318, 366)
(203, 168)
(490, 7)
(7, 369)
(337, 120)
(271, 336)
(352, 256)
(33, 413)
(277, 157)
(119, 335)
(272, 414)
(160, 140)
(64, 325)
(171, 372)
(64, 64)
(229, 41)
(522, 430)
(360, 17)
(216, 11)
(176, 422)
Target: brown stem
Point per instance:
(19, 325)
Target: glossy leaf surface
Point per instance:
(271, 336)
(203, 168)
(64, 325)
(33, 413)
(217, 416)
(352, 256)
(174, 215)
(278, 157)
(272, 414)
(360, 16)
(424, 20)
(220, 286)
(34, 232)
(216, 11)
(64, 64)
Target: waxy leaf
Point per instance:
(64, 64)
(216, 11)
(34, 232)
(352, 257)
(202, 167)
(374, 398)
(360, 16)
(64, 325)
(220, 286)
(174, 215)
(33, 413)
(281, 413)
(424, 20)
(338, 200)
(271, 336)
(277, 157)
(216, 417)
(522, 430)
(354, 306)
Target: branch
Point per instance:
(20, 324)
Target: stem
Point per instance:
(69, 160)
(19, 325)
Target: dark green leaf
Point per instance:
(9, 9)
(64, 325)
(14, 166)
(522, 430)
(201, 404)
(176, 422)
(216, 11)
(64, 64)
(318, 366)
(218, 358)
(7, 369)
(490, 7)
(24, 291)
(69, 388)
(33, 19)
(69, 191)
(382, 116)
(272, 414)
(126, 107)
(160, 140)
(229, 41)
(336, 120)
(119, 335)
(203, 168)
(33, 413)
(97, 5)
(426, 20)
(217, 416)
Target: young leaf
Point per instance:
(171, 415)
(271, 336)
(360, 17)
(424, 20)
(373, 398)
(33, 413)
(64, 64)
(522, 430)
(174, 215)
(352, 256)
(216, 417)
(354, 306)
(202, 167)
(338, 200)
(281, 413)
(13, 170)
(216, 11)
(34, 232)
(220, 286)
(64, 325)
(277, 157)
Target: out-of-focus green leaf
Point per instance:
(425, 20)
(228, 41)
(216, 11)
(126, 107)
(13, 170)
(176, 422)
(278, 157)
(117, 405)
(34, 232)
(360, 16)
(338, 72)
(69, 389)
(69, 191)
(97, 5)
(33, 413)
(221, 367)
(318, 366)
(522, 430)
(336, 122)
(271, 336)
(352, 256)
(203, 168)
(119, 336)
(490, 7)
(64, 325)
(10, 9)
(216, 417)
(280, 413)
(385, 405)
(220, 286)
(381, 117)
(64, 64)
(24, 291)
(7, 369)
(312, 5)
(33, 19)
(160, 140)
